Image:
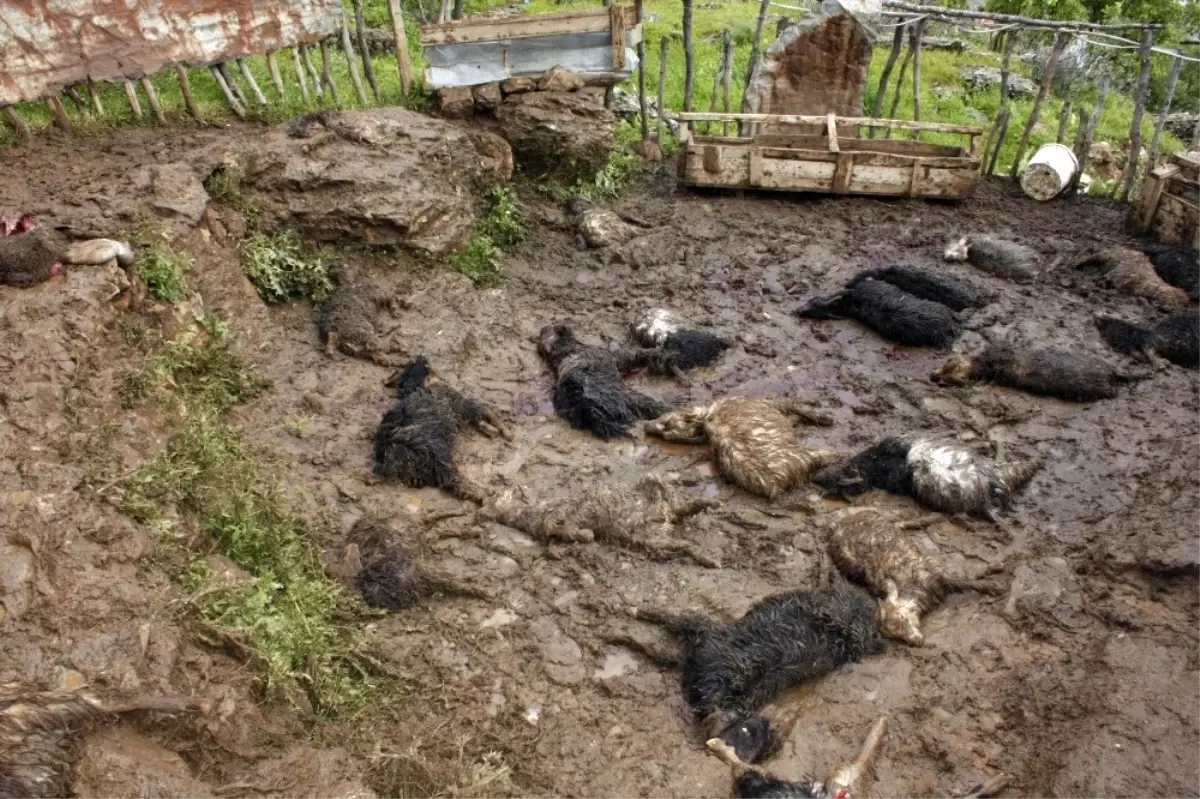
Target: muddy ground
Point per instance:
(1082, 681)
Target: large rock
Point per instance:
(174, 191)
(984, 78)
(567, 134)
(817, 65)
(382, 177)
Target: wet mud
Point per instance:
(1081, 680)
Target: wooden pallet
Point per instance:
(829, 163)
(1169, 207)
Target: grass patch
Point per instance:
(164, 269)
(299, 629)
(501, 228)
(283, 267)
(227, 185)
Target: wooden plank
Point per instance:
(756, 166)
(800, 119)
(843, 172)
(1143, 213)
(831, 132)
(618, 38)
(915, 179)
(527, 25)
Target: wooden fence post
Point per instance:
(664, 47)
(641, 56)
(897, 43)
(95, 95)
(609, 92)
(131, 96)
(251, 82)
(311, 68)
(1064, 119)
(15, 120)
(185, 86)
(300, 76)
(1135, 127)
(1083, 147)
(352, 66)
(327, 72)
(1001, 131)
(752, 67)
(1010, 40)
(920, 29)
(899, 85)
(727, 79)
(155, 105)
(276, 76)
(360, 29)
(1172, 81)
(61, 120)
(230, 97)
(1060, 44)
(402, 60)
(689, 79)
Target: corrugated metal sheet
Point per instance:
(473, 63)
(46, 45)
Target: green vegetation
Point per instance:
(226, 185)
(284, 617)
(283, 267)
(501, 228)
(163, 269)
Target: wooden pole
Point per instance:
(77, 98)
(155, 105)
(360, 28)
(1060, 43)
(1195, 143)
(131, 96)
(1139, 110)
(259, 97)
(609, 92)
(95, 95)
(276, 76)
(327, 72)
(1172, 81)
(230, 97)
(881, 91)
(641, 55)
(61, 120)
(352, 65)
(300, 76)
(918, 29)
(311, 68)
(444, 13)
(1083, 149)
(753, 65)
(15, 120)
(689, 65)
(664, 47)
(1010, 41)
(405, 65)
(899, 86)
(458, 9)
(1002, 131)
(727, 79)
(233, 85)
(1064, 119)
(716, 89)
(185, 86)
(1012, 19)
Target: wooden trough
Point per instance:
(829, 163)
(1169, 207)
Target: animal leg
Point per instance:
(664, 654)
(490, 425)
(452, 586)
(989, 788)
(644, 406)
(805, 413)
(94, 252)
(678, 510)
(724, 752)
(848, 775)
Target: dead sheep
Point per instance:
(1131, 272)
(751, 782)
(598, 227)
(39, 731)
(731, 670)
(29, 257)
(642, 517)
(925, 284)
(1045, 371)
(349, 322)
(660, 327)
(891, 312)
(872, 548)
(590, 391)
(753, 440)
(415, 440)
(999, 257)
(942, 475)
(1179, 266)
(387, 573)
(1176, 338)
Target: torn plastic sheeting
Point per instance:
(46, 46)
(475, 63)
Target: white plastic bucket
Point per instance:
(1049, 172)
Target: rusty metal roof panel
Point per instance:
(46, 45)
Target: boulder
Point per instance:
(381, 177)
(984, 78)
(567, 134)
(817, 65)
(487, 97)
(559, 80)
(1182, 124)
(457, 102)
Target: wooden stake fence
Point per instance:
(1135, 128)
(1172, 81)
(1083, 147)
(897, 43)
(1060, 44)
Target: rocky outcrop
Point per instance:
(381, 177)
(565, 134)
(983, 78)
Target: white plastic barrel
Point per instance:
(1049, 172)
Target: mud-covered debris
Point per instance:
(352, 320)
(565, 134)
(119, 762)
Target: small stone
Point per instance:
(560, 80)
(457, 102)
(518, 85)
(500, 618)
(487, 96)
